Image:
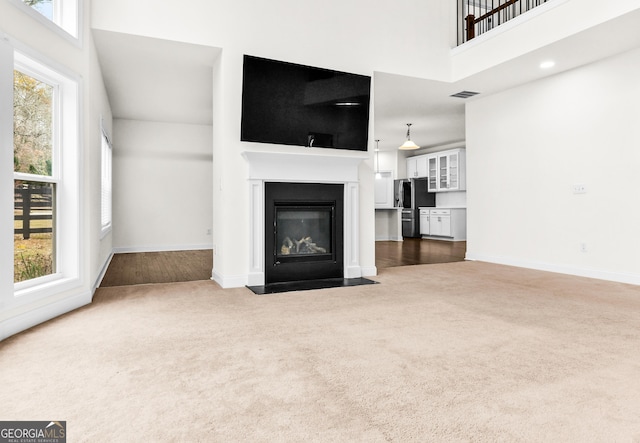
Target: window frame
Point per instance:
(106, 182)
(35, 70)
(66, 169)
(67, 18)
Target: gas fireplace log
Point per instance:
(287, 244)
(303, 240)
(303, 246)
(309, 246)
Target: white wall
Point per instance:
(541, 26)
(408, 37)
(358, 36)
(100, 247)
(527, 146)
(162, 177)
(44, 43)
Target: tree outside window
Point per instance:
(34, 184)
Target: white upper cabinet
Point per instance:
(432, 169)
(417, 166)
(447, 171)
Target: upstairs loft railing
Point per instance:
(476, 17)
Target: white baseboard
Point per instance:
(161, 248)
(620, 277)
(369, 271)
(29, 319)
(234, 281)
(103, 271)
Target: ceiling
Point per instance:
(438, 119)
(156, 80)
(143, 74)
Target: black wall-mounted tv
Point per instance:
(290, 104)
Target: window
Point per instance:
(45, 176)
(44, 7)
(106, 177)
(63, 13)
(34, 182)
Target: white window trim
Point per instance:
(105, 228)
(68, 191)
(68, 19)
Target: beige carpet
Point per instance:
(454, 352)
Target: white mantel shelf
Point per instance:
(308, 166)
(315, 165)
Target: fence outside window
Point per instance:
(33, 203)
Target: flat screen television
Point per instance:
(290, 104)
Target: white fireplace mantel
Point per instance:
(304, 167)
(312, 167)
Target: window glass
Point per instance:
(32, 125)
(34, 184)
(106, 184)
(63, 13)
(44, 7)
(33, 244)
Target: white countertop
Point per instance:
(422, 207)
(442, 207)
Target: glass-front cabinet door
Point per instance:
(433, 173)
(454, 171)
(446, 171)
(443, 172)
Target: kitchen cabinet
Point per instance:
(383, 190)
(447, 171)
(449, 224)
(417, 166)
(432, 166)
(440, 222)
(424, 222)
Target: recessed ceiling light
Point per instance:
(548, 64)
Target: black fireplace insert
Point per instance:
(303, 231)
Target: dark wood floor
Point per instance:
(415, 251)
(175, 266)
(158, 267)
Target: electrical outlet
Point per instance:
(579, 188)
(208, 231)
(583, 247)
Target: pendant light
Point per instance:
(408, 145)
(378, 175)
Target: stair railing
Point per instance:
(479, 16)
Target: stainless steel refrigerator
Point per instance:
(411, 194)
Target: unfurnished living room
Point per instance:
(319, 221)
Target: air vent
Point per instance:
(465, 94)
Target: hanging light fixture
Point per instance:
(378, 175)
(408, 145)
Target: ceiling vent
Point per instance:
(465, 94)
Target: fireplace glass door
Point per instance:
(303, 232)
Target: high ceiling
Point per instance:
(160, 80)
(156, 80)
